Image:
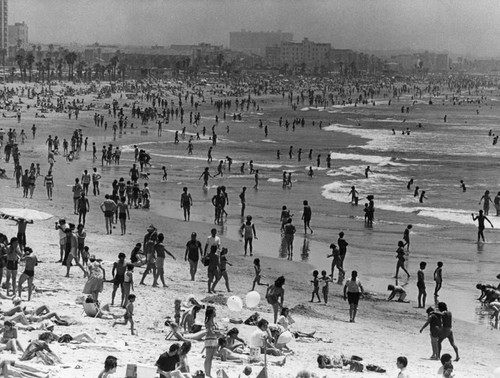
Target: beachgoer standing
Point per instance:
(352, 291)
(186, 203)
(306, 217)
(480, 220)
(275, 296)
(193, 254)
(438, 278)
(108, 207)
(248, 232)
(446, 331)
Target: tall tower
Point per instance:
(3, 25)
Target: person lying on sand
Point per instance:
(26, 316)
(178, 334)
(14, 369)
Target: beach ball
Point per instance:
(285, 337)
(235, 303)
(252, 299)
(496, 373)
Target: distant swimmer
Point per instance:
(278, 154)
(480, 220)
(310, 173)
(445, 118)
(486, 204)
(242, 168)
(290, 152)
(393, 132)
(415, 194)
(299, 154)
(462, 185)
(367, 169)
(354, 196)
(422, 197)
(410, 183)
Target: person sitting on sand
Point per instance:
(231, 338)
(189, 318)
(397, 290)
(286, 321)
(110, 365)
(261, 339)
(9, 339)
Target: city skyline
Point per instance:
(460, 27)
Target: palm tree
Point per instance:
(109, 68)
(122, 67)
(97, 70)
(41, 69)
(220, 60)
(3, 54)
(48, 62)
(114, 62)
(39, 49)
(79, 69)
(20, 60)
(70, 58)
(59, 64)
(30, 59)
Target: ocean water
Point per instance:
(437, 156)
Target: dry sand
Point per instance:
(383, 331)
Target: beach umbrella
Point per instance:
(28, 214)
(252, 299)
(235, 303)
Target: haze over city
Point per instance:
(459, 27)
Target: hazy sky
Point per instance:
(459, 26)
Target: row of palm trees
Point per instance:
(51, 64)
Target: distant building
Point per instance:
(4, 30)
(306, 52)
(426, 62)
(256, 42)
(18, 33)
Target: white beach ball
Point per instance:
(235, 303)
(252, 299)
